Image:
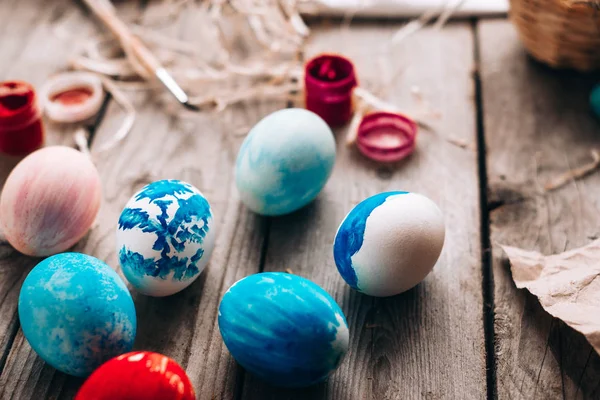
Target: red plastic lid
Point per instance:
(18, 105)
(385, 136)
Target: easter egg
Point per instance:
(284, 162)
(76, 313)
(595, 100)
(389, 243)
(283, 328)
(165, 237)
(139, 375)
(49, 201)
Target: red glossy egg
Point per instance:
(136, 376)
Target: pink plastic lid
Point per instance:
(328, 82)
(385, 136)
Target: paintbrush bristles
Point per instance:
(140, 57)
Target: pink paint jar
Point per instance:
(21, 128)
(328, 83)
(386, 137)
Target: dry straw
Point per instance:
(209, 64)
(560, 33)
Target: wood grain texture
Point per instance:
(537, 125)
(201, 150)
(429, 342)
(33, 46)
(33, 51)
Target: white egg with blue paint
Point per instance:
(284, 162)
(165, 237)
(389, 243)
(283, 328)
(76, 313)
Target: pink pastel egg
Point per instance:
(49, 201)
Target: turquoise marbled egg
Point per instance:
(76, 313)
(283, 328)
(284, 162)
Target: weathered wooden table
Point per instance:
(466, 332)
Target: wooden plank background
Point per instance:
(408, 346)
(537, 125)
(429, 343)
(33, 46)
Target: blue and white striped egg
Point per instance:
(76, 313)
(389, 243)
(283, 328)
(284, 162)
(165, 237)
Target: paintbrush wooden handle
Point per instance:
(104, 11)
(144, 55)
(139, 55)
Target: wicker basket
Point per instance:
(560, 33)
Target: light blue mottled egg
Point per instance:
(165, 237)
(76, 313)
(283, 328)
(389, 243)
(284, 162)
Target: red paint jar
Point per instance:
(21, 129)
(328, 83)
(386, 136)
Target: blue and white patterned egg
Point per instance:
(283, 328)
(76, 313)
(165, 237)
(389, 243)
(284, 162)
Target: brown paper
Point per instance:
(565, 284)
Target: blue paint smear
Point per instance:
(350, 235)
(283, 328)
(159, 189)
(170, 235)
(76, 313)
(183, 267)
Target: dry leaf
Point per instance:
(565, 284)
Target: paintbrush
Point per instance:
(106, 12)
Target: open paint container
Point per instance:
(21, 128)
(328, 83)
(72, 97)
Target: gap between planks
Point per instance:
(406, 346)
(487, 282)
(20, 67)
(537, 125)
(263, 253)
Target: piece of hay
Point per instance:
(574, 174)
